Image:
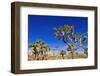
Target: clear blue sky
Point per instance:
(41, 27)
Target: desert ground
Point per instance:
(57, 56)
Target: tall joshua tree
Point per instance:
(70, 38)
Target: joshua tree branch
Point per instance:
(65, 41)
(77, 47)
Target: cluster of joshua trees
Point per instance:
(66, 34)
(39, 50)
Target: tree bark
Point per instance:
(72, 52)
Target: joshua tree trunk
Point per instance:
(72, 52)
(42, 55)
(35, 56)
(45, 55)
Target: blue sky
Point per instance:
(41, 27)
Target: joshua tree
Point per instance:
(44, 49)
(39, 48)
(70, 38)
(62, 53)
(34, 50)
